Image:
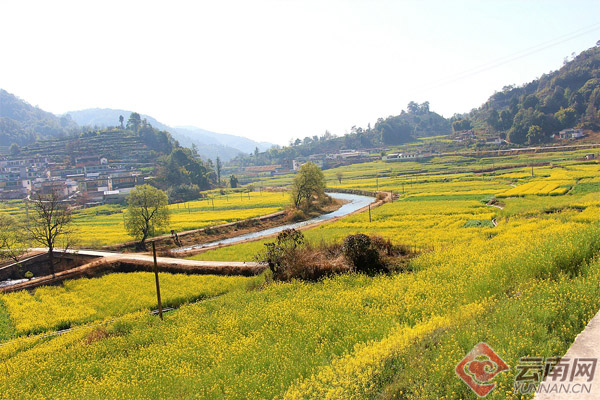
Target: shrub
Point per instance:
(362, 253)
(290, 258)
(28, 275)
(295, 215)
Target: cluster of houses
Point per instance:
(324, 161)
(570, 134)
(469, 136)
(90, 180)
(328, 160)
(396, 157)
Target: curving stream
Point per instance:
(354, 202)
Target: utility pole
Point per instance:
(157, 284)
(369, 215)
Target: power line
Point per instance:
(511, 57)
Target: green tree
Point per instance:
(147, 211)
(218, 166)
(461, 125)
(534, 134)
(121, 119)
(493, 120)
(233, 181)
(308, 182)
(413, 107)
(567, 117)
(14, 149)
(134, 122)
(182, 168)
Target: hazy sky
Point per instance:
(273, 70)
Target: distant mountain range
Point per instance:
(23, 124)
(209, 144)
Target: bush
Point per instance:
(290, 258)
(362, 253)
(295, 215)
(182, 193)
(28, 275)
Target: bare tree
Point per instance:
(49, 222)
(11, 241)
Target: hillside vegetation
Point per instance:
(527, 114)
(561, 99)
(21, 123)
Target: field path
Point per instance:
(108, 261)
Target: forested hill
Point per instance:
(208, 144)
(527, 114)
(22, 123)
(532, 113)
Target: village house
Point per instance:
(570, 133)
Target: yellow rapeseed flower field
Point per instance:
(526, 285)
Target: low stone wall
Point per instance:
(108, 265)
(39, 265)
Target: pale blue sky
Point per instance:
(273, 70)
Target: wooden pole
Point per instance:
(157, 284)
(213, 203)
(369, 215)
